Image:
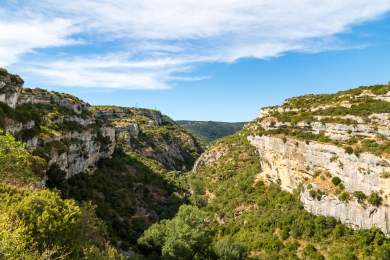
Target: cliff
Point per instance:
(151, 134)
(334, 149)
(73, 136)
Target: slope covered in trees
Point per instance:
(234, 215)
(208, 131)
(36, 223)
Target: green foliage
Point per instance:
(38, 223)
(209, 131)
(244, 213)
(336, 181)
(345, 196)
(375, 199)
(311, 252)
(316, 194)
(348, 150)
(183, 237)
(360, 196)
(373, 147)
(228, 249)
(17, 164)
(35, 224)
(130, 193)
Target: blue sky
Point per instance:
(194, 59)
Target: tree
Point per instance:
(35, 223)
(228, 249)
(184, 237)
(336, 181)
(360, 196)
(375, 199)
(16, 163)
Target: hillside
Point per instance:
(209, 131)
(306, 180)
(118, 166)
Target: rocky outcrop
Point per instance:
(42, 96)
(351, 213)
(10, 88)
(73, 136)
(58, 127)
(79, 152)
(334, 151)
(291, 162)
(153, 135)
(209, 157)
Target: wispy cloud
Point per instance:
(159, 40)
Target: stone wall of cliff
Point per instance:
(152, 135)
(73, 136)
(334, 149)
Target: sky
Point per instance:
(194, 59)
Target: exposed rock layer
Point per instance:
(73, 136)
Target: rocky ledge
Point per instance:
(151, 134)
(334, 149)
(73, 136)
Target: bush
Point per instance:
(336, 181)
(228, 249)
(360, 196)
(375, 199)
(345, 196)
(311, 252)
(16, 163)
(38, 222)
(349, 150)
(185, 236)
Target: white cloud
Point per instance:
(111, 71)
(162, 38)
(18, 37)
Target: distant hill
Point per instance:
(208, 131)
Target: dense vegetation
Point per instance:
(36, 223)
(233, 215)
(130, 193)
(208, 131)
(315, 100)
(134, 206)
(354, 109)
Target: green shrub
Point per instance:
(348, 150)
(375, 199)
(336, 181)
(345, 196)
(312, 253)
(228, 249)
(38, 222)
(360, 196)
(184, 237)
(16, 163)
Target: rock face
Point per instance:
(42, 96)
(335, 152)
(10, 88)
(351, 213)
(59, 127)
(292, 163)
(153, 135)
(73, 136)
(209, 157)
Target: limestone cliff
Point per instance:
(73, 136)
(58, 127)
(152, 135)
(334, 149)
